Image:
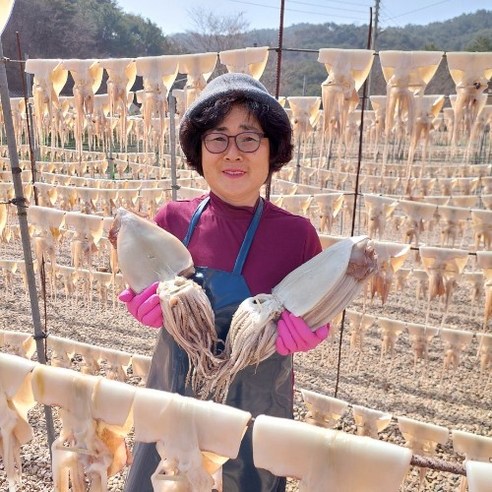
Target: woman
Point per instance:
(235, 135)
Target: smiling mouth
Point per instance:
(232, 172)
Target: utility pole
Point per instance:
(376, 23)
(277, 80)
(377, 7)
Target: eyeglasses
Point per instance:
(247, 142)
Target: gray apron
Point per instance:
(263, 389)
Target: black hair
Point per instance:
(273, 121)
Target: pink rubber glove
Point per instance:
(144, 307)
(294, 335)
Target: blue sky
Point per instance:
(173, 15)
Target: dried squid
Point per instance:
(317, 291)
(146, 254)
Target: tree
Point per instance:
(482, 42)
(78, 29)
(431, 47)
(214, 32)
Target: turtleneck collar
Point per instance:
(221, 207)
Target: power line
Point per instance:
(329, 7)
(387, 12)
(299, 11)
(418, 10)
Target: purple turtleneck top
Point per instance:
(283, 241)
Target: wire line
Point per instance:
(299, 11)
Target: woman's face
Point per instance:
(235, 176)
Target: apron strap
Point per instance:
(248, 239)
(194, 219)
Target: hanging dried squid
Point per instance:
(323, 411)
(444, 266)
(391, 257)
(96, 416)
(422, 438)
(370, 422)
(478, 475)
(190, 445)
(16, 399)
(327, 459)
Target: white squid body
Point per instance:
(16, 399)
(316, 291)
(146, 252)
(321, 288)
(327, 459)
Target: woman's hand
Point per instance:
(294, 335)
(144, 307)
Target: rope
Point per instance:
(437, 464)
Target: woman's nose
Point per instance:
(232, 152)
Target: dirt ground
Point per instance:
(399, 384)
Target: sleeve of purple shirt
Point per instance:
(283, 241)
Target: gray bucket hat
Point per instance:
(233, 83)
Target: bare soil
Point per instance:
(459, 399)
